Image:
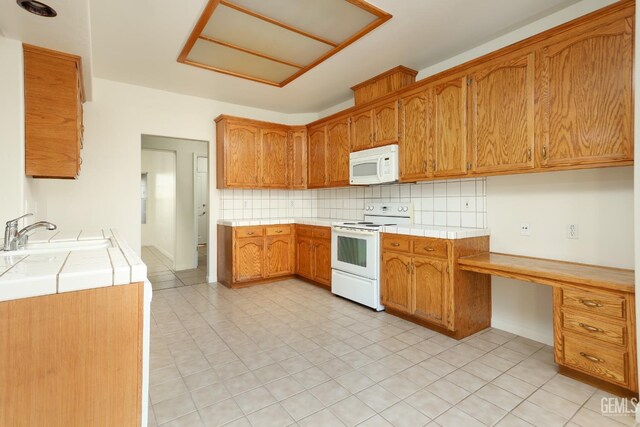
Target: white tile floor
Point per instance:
(293, 354)
(162, 275)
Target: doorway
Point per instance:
(175, 211)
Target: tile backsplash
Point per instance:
(453, 203)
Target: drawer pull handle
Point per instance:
(590, 303)
(591, 358)
(590, 328)
(250, 233)
(428, 249)
(278, 231)
(395, 244)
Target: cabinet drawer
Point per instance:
(304, 231)
(595, 358)
(430, 247)
(322, 232)
(396, 243)
(244, 232)
(594, 327)
(605, 304)
(278, 230)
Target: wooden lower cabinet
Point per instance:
(260, 254)
(313, 257)
(421, 283)
(595, 337)
(72, 359)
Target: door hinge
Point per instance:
(398, 135)
(469, 81)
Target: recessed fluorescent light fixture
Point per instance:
(276, 41)
(37, 8)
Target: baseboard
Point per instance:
(212, 279)
(523, 331)
(185, 267)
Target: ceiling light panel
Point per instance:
(237, 62)
(334, 20)
(261, 36)
(276, 41)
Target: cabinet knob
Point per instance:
(591, 358)
(395, 244)
(250, 233)
(544, 151)
(278, 231)
(591, 303)
(590, 328)
(428, 249)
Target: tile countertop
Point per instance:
(25, 276)
(412, 230)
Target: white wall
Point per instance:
(185, 227)
(107, 191)
(160, 227)
(600, 201)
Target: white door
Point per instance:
(202, 191)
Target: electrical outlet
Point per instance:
(466, 204)
(525, 230)
(245, 204)
(572, 231)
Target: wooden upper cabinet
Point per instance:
(502, 115)
(413, 148)
(385, 124)
(587, 96)
(298, 148)
(317, 157)
(396, 286)
(362, 130)
(338, 152)
(448, 126)
(242, 149)
(274, 158)
(428, 288)
(53, 113)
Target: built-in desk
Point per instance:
(594, 315)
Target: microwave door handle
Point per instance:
(380, 160)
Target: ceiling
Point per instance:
(138, 42)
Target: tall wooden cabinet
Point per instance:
(53, 95)
(298, 147)
(274, 158)
(318, 175)
(414, 135)
(338, 146)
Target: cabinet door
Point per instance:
(361, 131)
(278, 260)
(396, 281)
(502, 115)
(448, 127)
(298, 147)
(587, 80)
(242, 154)
(429, 289)
(249, 259)
(274, 170)
(413, 142)
(338, 152)
(317, 158)
(385, 120)
(304, 258)
(322, 262)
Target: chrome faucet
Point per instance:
(14, 239)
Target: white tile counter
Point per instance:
(24, 276)
(412, 230)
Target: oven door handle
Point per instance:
(354, 233)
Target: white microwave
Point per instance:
(374, 166)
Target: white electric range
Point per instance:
(355, 252)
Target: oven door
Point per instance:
(355, 251)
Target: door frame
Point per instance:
(195, 206)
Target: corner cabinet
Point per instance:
(53, 95)
(313, 254)
(421, 282)
(253, 154)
